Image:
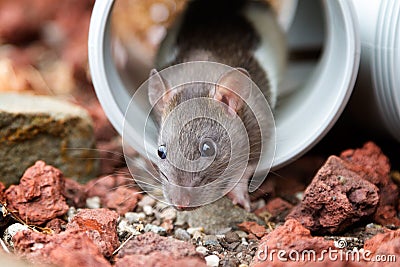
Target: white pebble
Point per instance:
(241, 233)
(147, 200)
(71, 213)
(299, 195)
(135, 216)
(93, 202)
(148, 210)
(155, 229)
(168, 214)
(202, 250)
(192, 230)
(244, 242)
(212, 260)
(11, 231)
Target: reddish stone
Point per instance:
(2, 194)
(75, 193)
(56, 225)
(169, 251)
(386, 245)
(38, 198)
(374, 166)
(276, 207)
(100, 225)
(104, 185)
(291, 236)
(253, 228)
(168, 225)
(336, 198)
(68, 249)
(122, 199)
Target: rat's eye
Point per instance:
(207, 148)
(162, 151)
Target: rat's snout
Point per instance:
(180, 198)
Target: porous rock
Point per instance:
(291, 236)
(100, 225)
(150, 249)
(336, 198)
(43, 128)
(38, 197)
(68, 249)
(370, 162)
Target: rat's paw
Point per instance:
(240, 195)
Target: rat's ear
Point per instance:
(159, 92)
(232, 87)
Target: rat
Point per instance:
(243, 35)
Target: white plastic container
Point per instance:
(376, 103)
(303, 117)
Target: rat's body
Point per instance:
(217, 31)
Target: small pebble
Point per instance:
(202, 250)
(241, 233)
(212, 260)
(197, 236)
(210, 240)
(168, 214)
(161, 206)
(135, 216)
(148, 210)
(231, 237)
(181, 234)
(147, 201)
(71, 213)
(11, 231)
(299, 195)
(243, 265)
(93, 202)
(125, 227)
(192, 230)
(244, 242)
(155, 229)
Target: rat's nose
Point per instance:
(184, 208)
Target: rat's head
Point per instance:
(198, 124)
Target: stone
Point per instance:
(231, 237)
(74, 193)
(202, 250)
(122, 199)
(150, 249)
(11, 231)
(135, 216)
(56, 225)
(217, 217)
(147, 201)
(212, 260)
(253, 228)
(155, 229)
(102, 186)
(336, 198)
(100, 225)
(384, 244)
(93, 203)
(370, 162)
(43, 128)
(67, 249)
(277, 209)
(181, 234)
(38, 198)
(292, 236)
